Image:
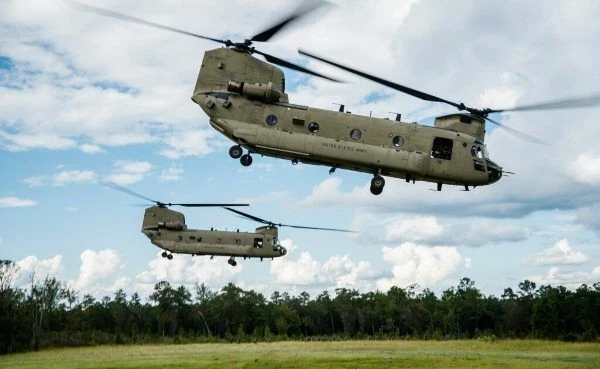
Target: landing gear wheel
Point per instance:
(170, 256)
(235, 151)
(164, 254)
(246, 160)
(377, 184)
(232, 261)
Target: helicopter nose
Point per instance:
(494, 171)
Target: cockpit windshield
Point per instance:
(479, 151)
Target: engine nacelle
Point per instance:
(255, 91)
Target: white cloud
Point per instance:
(560, 253)
(336, 272)
(40, 269)
(568, 278)
(187, 269)
(90, 149)
(416, 229)
(99, 272)
(62, 178)
(128, 172)
(431, 230)
(189, 143)
(15, 202)
(73, 176)
(26, 141)
(173, 173)
(585, 169)
(423, 265)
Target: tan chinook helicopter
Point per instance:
(245, 100)
(167, 230)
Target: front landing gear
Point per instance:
(377, 184)
(232, 261)
(167, 255)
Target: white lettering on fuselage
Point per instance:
(343, 147)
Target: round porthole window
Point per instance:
(271, 119)
(313, 127)
(398, 141)
(355, 134)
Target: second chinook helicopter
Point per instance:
(245, 100)
(167, 230)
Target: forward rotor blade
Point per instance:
(580, 102)
(126, 190)
(287, 64)
(395, 86)
(522, 135)
(249, 216)
(298, 13)
(200, 205)
(128, 18)
(317, 228)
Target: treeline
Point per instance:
(50, 314)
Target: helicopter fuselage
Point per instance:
(245, 101)
(167, 230)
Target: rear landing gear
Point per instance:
(235, 151)
(377, 184)
(246, 160)
(167, 255)
(232, 261)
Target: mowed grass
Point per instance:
(346, 354)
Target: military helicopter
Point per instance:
(245, 100)
(167, 230)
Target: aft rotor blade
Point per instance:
(126, 190)
(580, 102)
(249, 216)
(287, 64)
(395, 86)
(517, 133)
(298, 13)
(128, 18)
(317, 228)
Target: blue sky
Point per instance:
(85, 99)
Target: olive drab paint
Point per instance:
(167, 230)
(245, 100)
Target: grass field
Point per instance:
(348, 354)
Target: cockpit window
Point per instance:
(479, 151)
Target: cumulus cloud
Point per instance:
(39, 269)
(431, 230)
(585, 169)
(560, 253)
(15, 202)
(98, 272)
(188, 143)
(90, 149)
(187, 269)
(127, 172)
(558, 276)
(336, 272)
(419, 264)
(415, 229)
